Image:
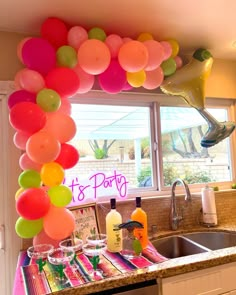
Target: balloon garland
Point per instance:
(59, 64)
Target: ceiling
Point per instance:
(203, 23)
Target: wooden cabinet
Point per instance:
(210, 281)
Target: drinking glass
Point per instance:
(40, 253)
(96, 244)
(73, 244)
(61, 257)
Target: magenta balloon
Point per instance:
(113, 79)
(39, 55)
(20, 96)
(127, 86)
(27, 117)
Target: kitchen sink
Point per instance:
(193, 243)
(177, 246)
(213, 240)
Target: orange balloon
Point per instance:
(43, 147)
(133, 56)
(59, 223)
(52, 174)
(61, 125)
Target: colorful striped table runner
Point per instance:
(28, 281)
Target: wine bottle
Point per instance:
(140, 215)
(114, 235)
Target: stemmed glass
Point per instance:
(40, 253)
(73, 244)
(96, 244)
(60, 258)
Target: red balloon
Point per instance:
(55, 31)
(33, 203)
(39, 55)
(20, 96)
(27, 117)
(68, 157)
(63, 80)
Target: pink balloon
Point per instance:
(63, 80)
(94, 56)
(167, 49)
(20, 138)
(27, 164)
(20, 96)
(39, 55)
(76, 36)
(113, 79)
(33, 203)
(114, 43)
(18, 77)
(27, 117)
(54, 228)
(65, 106)
(133, 56)
(155, 54)
(31, 80)
(86, 80)
(153, 78)
(178, 61)
(42, 147)
(126, 39)
(43, 238)
(61, 126)
(19, 48)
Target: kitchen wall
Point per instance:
(221, 82)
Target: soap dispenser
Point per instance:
(209, 207)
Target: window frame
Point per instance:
(155, 101)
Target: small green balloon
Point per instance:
(66, 56)
(29, 178)
(60, 195)
(49, 100)
(97, 33)
(27, 229)
(168, 66)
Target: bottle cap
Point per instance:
(113, 203)
(138, 202)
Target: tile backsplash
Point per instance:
(158, 210)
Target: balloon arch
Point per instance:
(60, 63)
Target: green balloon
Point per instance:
(29, 178)
(97, 33)
(60, 196)
(168, 66)
(27, 229)
(49, 100)
(66, 56)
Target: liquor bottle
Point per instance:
(140, 215)
(114, 234)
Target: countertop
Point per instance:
(164, 269)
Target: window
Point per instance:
(151, 140)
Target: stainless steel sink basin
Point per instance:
(213, 240)
(177, 246)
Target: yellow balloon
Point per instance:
(175, 47)
(144, 37)
(189, 81)
(18, 192)
(136, 79)
(52, 174)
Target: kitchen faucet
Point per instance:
(174, 217)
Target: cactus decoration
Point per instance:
(41, 264)
(95, 261)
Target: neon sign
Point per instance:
(97, 185)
